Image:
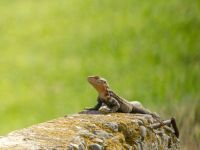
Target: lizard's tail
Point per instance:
(176, 131)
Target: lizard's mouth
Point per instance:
(92, 79)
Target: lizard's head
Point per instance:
(100, 84)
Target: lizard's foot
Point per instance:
(104, 110)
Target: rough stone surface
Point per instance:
(115, 131)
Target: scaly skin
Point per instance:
(109, 102)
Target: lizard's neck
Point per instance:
(104, 93)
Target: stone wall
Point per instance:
(115, 131)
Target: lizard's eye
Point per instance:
(96, 77)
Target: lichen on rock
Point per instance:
(93, 132)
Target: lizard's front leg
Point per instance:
(104, 109)
(110, 107)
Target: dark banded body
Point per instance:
(118, 104)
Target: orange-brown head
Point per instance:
(100, 84)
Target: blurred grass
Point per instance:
(148, 51)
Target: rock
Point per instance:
(77, 143)
(95, 147)
(92, 131)
(143, 132)
(102, 134)
(112, 125)
(97, 140)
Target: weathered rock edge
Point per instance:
(115, 131)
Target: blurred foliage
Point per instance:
(147, 50)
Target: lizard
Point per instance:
(109, 102)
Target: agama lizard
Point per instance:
(109, 102)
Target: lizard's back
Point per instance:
(125, 106)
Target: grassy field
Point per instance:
(147, 50)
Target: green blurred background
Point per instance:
(147, 50)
